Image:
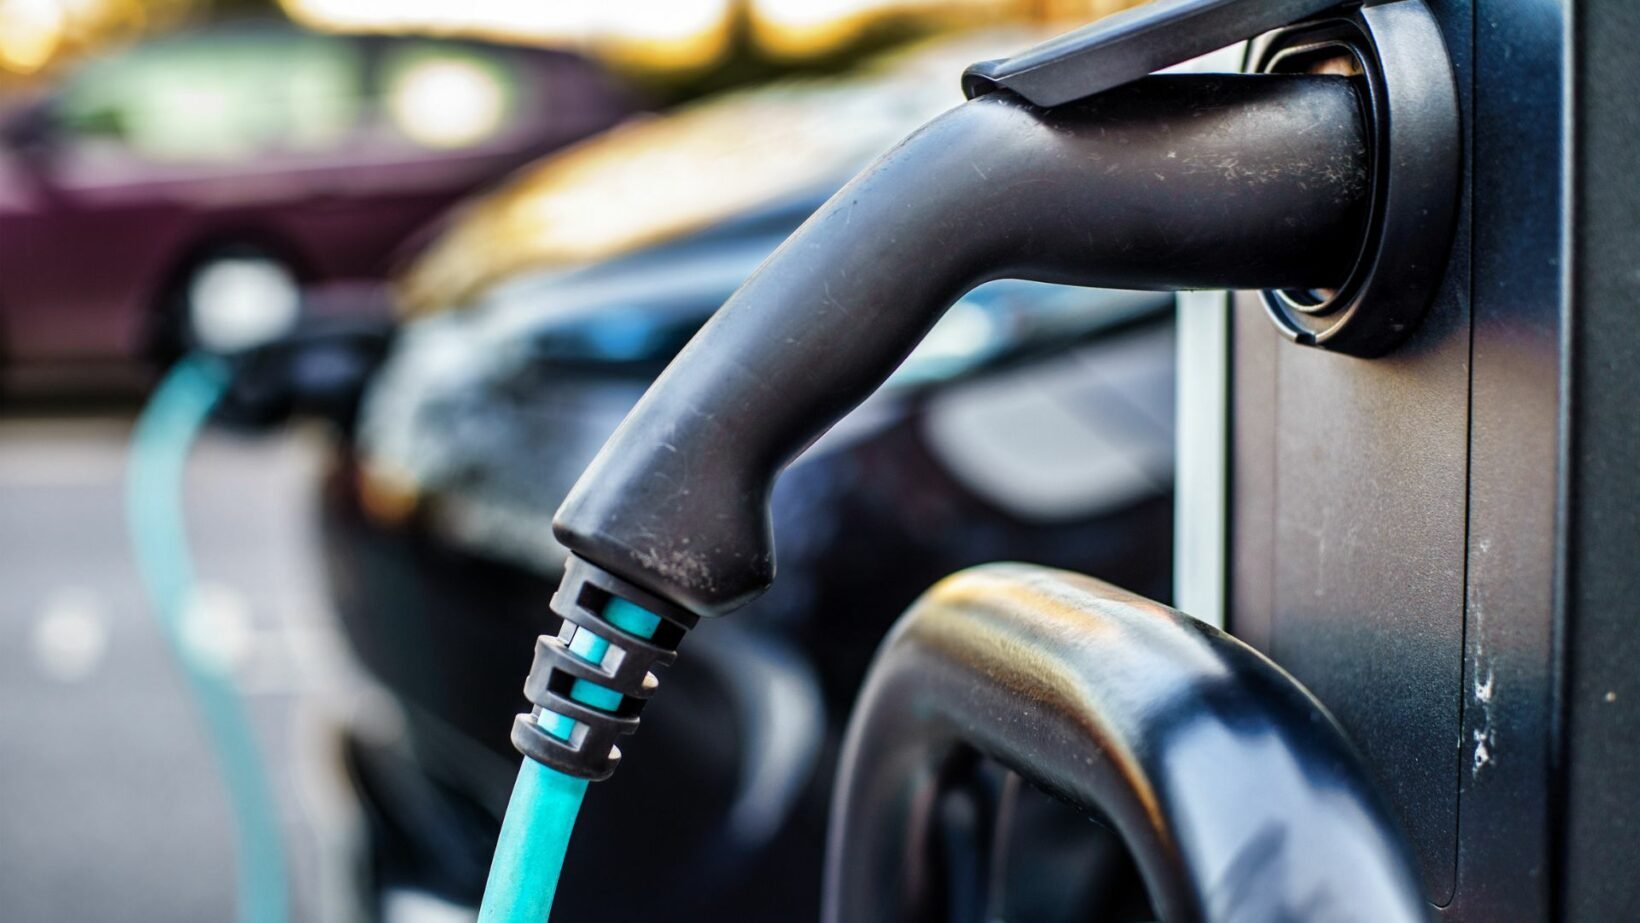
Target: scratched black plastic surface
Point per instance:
(1439, 655)
(1357, 534)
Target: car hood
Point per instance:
(657, 179)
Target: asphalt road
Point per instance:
(110, 803)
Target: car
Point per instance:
(1034, 423)
(182, 193)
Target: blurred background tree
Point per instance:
(39, 35)
(677, 48)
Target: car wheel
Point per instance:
(232, 300)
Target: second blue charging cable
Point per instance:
(165, 434)
(545, 801)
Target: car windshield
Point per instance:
(233, 97)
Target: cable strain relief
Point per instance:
(590, 681)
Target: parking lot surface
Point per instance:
(111, 807)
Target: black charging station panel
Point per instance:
(1405, 532)
(1351, 486)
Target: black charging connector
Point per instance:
(1277, 181)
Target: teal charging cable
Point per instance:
(165, 433)
(535, 833)
(529, 857)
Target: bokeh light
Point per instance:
(447, 102)
(30, 32)
(653, 34)
(37, 35)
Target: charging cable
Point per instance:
(588, 685)
(165, 432)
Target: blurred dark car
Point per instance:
(1035, 423)
(180, 193)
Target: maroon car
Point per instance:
(185, 192)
